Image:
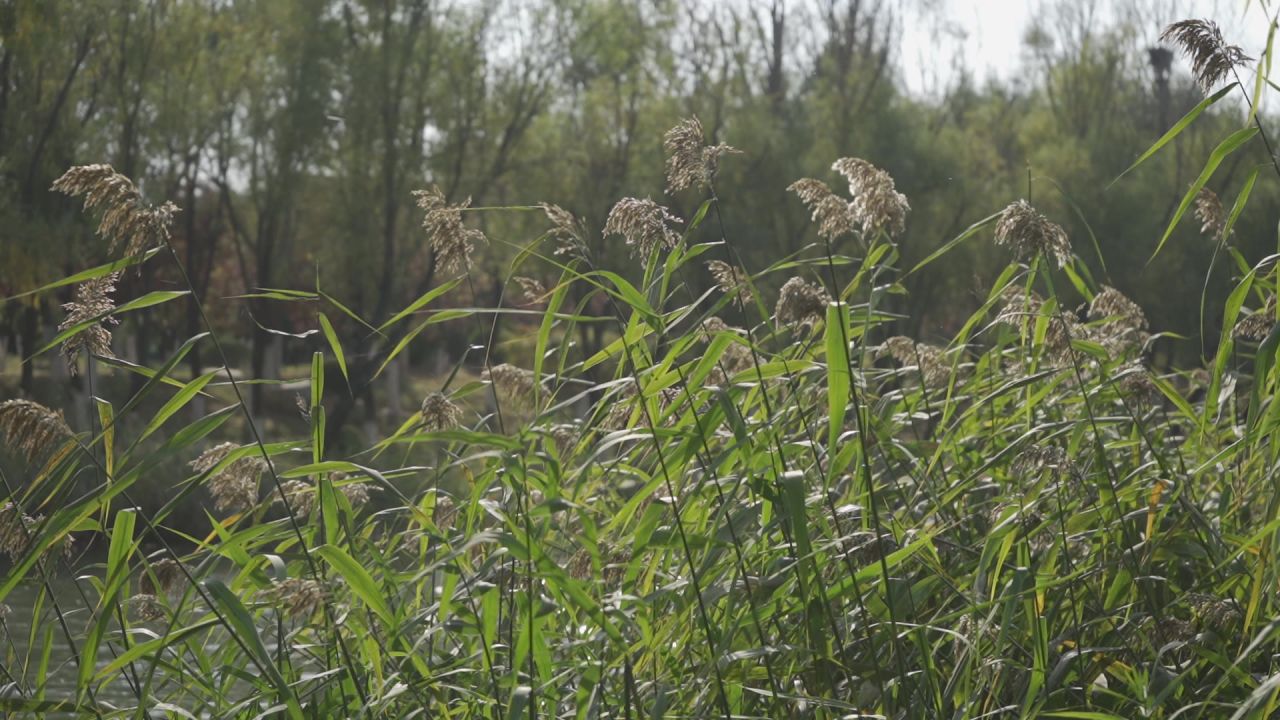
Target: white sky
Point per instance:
(987, 35)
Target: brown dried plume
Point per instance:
(127, 219)
(1212, 59)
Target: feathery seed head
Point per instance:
(929, 360)
(92, 300)
(510, 381)
(877, 205)
(567, 230)
(161, 577)
(690, 162)
(643, 224)
(801, 303)
(832, 213)
(1213, 613)
(564, 436)
(1257, 325)
(1119, 310)
(1018, 306)
(439, 412)
(17, 530)
(299, 597)
(1211, 214)
(1029, 233)
(1136, 383)
(234, 487)
(126, 219)
(713, 325)
(1212, 59)
(451, 241)
(31, 428)
(147, 607)
(531, 288)
(731, 280)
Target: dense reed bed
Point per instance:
(755, 501)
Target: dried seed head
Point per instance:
(1211, 214)
(929, 360)
(18, 529)
(1221, 615)
(564, 437)
(32, 429)
(300, 598)
(689, 161)
(5, 611)
(446, 511)
(866, 548)
(731, 280)
(713, 325)
(736, 358)
(161, 577)
(126, 218)
(439, 412)
(1169, 629)
(234, 487)
(1136, 384)
(877, 205)
(643, 224)
(92, 300)
(801, 303)
(451, 241)
(1119, 311)
(1212, 59)
(567, 230)
(533, 291)
(1029, 233)
(833, 214)
(1018, 306)
(510, 381)
(1037, 459)
(356, 493)
(304, 497)
(147, 607)
(301, 496)
(1257, 325)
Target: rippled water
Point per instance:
(20, 649)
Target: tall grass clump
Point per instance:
(757, 500)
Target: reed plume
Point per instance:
(690, 161)
(298, 597)
(17, 531)
(92, 302)
(127, 219)
(877, 205)
(1211, 214)
(531, 288)
(567, 230)
(831, 212)
(732, 281)
(643, 224)
(929, 360)
(510, 381)
(31, 428)
(1212, 59)
(1117, 310)
(801, 303)
(1256, 326)
(439, 412)
(1029, 233)
(451, 240)
(234, 487)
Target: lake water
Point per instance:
(19, 667)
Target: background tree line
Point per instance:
(292, 133)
